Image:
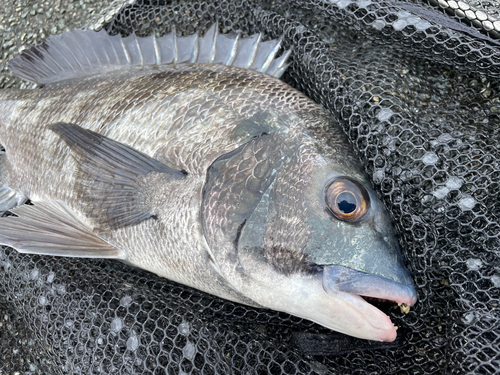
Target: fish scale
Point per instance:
(211, 175)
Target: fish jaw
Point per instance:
(305, 296)
(350, 286)
(353, 316)
(342, 312)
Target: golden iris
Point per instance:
(347, 199)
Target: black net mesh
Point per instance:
(415, 86)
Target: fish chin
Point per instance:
(372, 324)
(342, 312)
(304, 295)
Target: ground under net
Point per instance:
(415, 87)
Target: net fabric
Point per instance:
(418, 96)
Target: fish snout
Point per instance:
(347, 280)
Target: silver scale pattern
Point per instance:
(415, 86)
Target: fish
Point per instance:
(188, 157)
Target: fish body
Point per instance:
(215, 176)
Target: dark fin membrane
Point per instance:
(52, 228)
(82, 53)
(114, 180)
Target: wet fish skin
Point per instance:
(217, 229)
(115, 107)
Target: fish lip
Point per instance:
(351, 286)
(346, 280)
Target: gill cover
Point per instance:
(234, 188)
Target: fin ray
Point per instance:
(9, 198)
(265, 53)
(186, 47)
(63, 43)
(147, 48)
(113, 178)
(247, 50)
(166, 45)
(279, 65)
(208, 45)
(52, 228)
(84, 52)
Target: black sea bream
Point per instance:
(189, 158)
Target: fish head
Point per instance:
(314, 240)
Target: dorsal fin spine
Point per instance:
(176, 51)
(125, 50)
(157, 50)
(214, 45)
(254, 51)
(279, 65)
(139, 49)
(114, 49)
(83, 53)
(196, 49)
(232, 54)
(271, 55)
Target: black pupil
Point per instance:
(346, 202)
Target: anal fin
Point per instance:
(52, 228)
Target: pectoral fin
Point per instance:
(9, 199)
(52, 228)
(115, 182)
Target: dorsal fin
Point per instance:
(84, 52)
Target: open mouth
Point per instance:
(377, 301)
(385, 304)
(366, 294)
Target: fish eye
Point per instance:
(347, 199)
